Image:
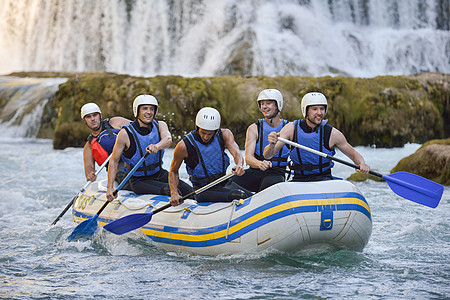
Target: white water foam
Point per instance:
(200, 38)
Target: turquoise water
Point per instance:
(408, 255)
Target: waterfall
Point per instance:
(361, 38)
(22, 103)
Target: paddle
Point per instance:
(407, 185)
(134, 221)
(82, 190)
(88, 227)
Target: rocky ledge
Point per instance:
(431, 160)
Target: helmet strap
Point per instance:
(145, 123)
(274, 115)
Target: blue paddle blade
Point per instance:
(84, 229)
(415, 188)
(128, 223)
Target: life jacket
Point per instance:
(280, 158)
(153, 162)
(212, 159)
(304, 162)
(102, 145)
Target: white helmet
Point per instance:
(89, 108)
(144, 99)
(208, 118)
(271, 94)
(314, 98)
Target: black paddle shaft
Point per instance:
(195, 192)
(169, 205)
(65, 210)
(353, 165)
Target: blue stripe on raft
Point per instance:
(255, 225)
(265, 220)
(237, 234)
(86, 216)
(280, 201)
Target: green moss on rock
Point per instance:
(363, 177)
(70, 134)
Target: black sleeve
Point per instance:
(192, 160)
(327, 133)
(132, 149)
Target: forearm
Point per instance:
(238, 159)
(174, 179)
(269, 151)
(252, 162)
(88, 170)
(164, 143)
(89, 163)
(112, 171)
(357, 158)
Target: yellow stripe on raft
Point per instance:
(253, 219)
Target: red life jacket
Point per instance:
(99, 154)
(104, 142)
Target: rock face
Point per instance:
(431, 161)
(385, 111)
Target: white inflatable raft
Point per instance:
(289, 217)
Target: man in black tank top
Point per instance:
(264, 172)
(150, 177)
(203, 151)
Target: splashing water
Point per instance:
(407, 256)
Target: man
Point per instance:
(264, 172)
(313, 132)
(203, 151)
(101, 141)
(143, 135)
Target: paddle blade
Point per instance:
(128, 223)
(84, 229)
(415, 188)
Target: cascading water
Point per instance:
(362, 38)
(22, 102)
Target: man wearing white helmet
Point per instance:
(203, 151)
(264, 172)
(101, 141)
(313, 132)
(143, 135)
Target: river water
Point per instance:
(408, 255)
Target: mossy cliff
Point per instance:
(386, 111)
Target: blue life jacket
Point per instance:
(103, 144)
(280, 158)
(307, 163)
(107, 138)
(212, 159)
(153, 163)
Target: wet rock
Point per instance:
(363, 177)
(431, 161)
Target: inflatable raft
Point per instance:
(288, 217)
